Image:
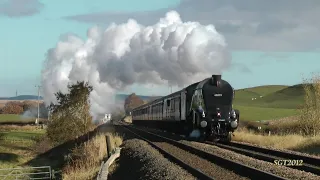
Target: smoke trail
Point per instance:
(170, 52)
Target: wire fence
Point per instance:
(41, 172)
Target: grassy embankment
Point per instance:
(21, 144)
(84, 161)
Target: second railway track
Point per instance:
(200, 163)
(309, 164)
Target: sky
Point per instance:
(270, 42)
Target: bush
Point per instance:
(12, 108)
(27, 105)
(70, 118)
(310, 114)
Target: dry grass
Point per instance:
(84, 161)
(116, 139)
(285, 126)
(291, 142)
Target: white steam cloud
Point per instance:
(170, 52)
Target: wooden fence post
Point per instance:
(109, 146)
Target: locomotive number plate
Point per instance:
(221, 120)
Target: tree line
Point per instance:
(20, 107)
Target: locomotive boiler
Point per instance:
(205, 107)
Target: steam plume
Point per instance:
(170, 52)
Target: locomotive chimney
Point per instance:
(215, 80)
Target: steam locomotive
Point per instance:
(205, 107)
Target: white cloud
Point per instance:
(275, 25)
(18, 8)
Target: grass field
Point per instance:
(17, 145)
(16, 119)
(13, 118)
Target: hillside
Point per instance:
(269, 102)
(264, 90)
(289, 97)
(21, 98)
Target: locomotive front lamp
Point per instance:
(203, 124)
(234, 124)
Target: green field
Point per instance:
(250, 113)
(17, 146)
(13, 118)
(25, 136)
(271, 102)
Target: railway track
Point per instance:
(195, 169)
(306, 163)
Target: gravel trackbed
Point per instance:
(266, 166)
(138, 160)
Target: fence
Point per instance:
(42, 172)
(112, 154)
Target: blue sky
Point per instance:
(266, 49)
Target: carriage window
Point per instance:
(168, 102)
